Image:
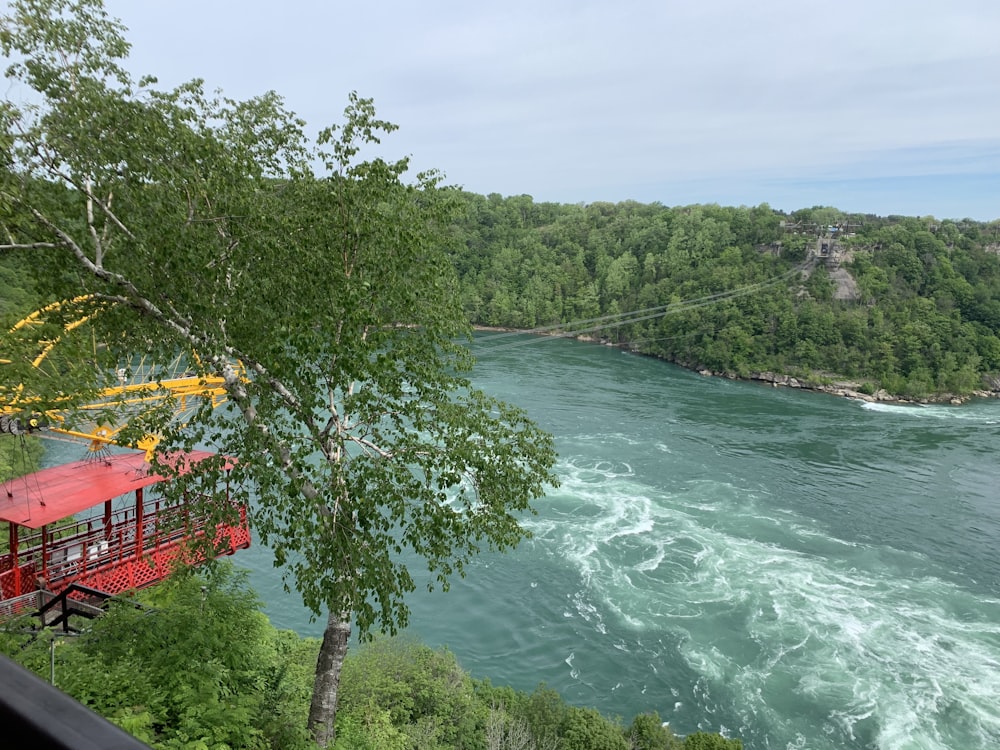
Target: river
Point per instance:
(791, 568)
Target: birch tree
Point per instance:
(198, 223)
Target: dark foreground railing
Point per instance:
(33, 714)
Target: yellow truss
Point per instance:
(142, 387)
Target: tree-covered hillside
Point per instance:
(909, 305)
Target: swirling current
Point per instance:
(794, 569)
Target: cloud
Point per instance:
(557, 98)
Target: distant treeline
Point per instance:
(910, 305)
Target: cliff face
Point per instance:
(846, 287)
(833, 254)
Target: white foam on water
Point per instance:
(788, 640)
(935, 411)
(653, 562)
(591, 470)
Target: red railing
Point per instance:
(120, 551)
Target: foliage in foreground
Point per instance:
(184, 222)
(198, 666)
(201, 667)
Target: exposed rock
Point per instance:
(843, 388)
(846, 286)
(776, 379)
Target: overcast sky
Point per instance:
(880, 106)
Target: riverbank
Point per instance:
(829, 384)
(852, 389)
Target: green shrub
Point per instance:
(648, 733)
(706, 741)
(586, 729)
(201, 667)
(425, 692)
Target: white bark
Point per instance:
(323, 708)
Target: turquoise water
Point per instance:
(791, 568)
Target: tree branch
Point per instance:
(31, 246)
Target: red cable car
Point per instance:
(101, 524)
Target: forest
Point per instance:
(906, 305)
(731, 290)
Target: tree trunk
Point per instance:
(323, 709)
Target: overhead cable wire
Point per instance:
(573, 328)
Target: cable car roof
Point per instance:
(52, 494)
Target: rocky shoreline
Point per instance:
(847, 389)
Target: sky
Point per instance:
(872, 106)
